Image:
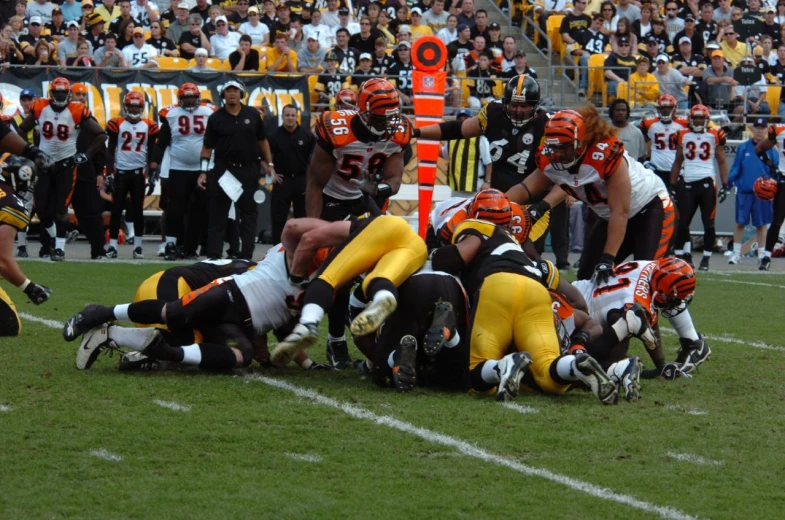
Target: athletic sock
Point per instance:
(383, 286)
(335, 339)
(678, 252)
(192, 354)
(683, 324)
(311, 313)
(622, 328)
(21, 238)
(130, 227)
(688, 247)
(60, 243)
(454, 341)
(130, 337)
(706, 253)
(737, 248)
(144, 312)
(564, 369)
(172, 240)
(489, 373)
(52, 231)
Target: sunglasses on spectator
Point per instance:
(138, 35)
(624, 45)
(253, 14)
(219, 24)
(671, 10)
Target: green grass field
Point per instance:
(286, 443)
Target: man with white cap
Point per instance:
(310, 59)
(363, 71)
(671, 81)
(223, 42)
(140, 55)
(418, 28)
(28, 41)
(200, 57)
(180, 24)
(67, 48)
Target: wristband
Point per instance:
(579, 337)
(416, 132)
(383, 190)
(204, 164)
(30, 151)
(24, 284)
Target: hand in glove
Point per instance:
(81, 158)
(603, 271)
(723, 194)
(38, 294)
(152, 180)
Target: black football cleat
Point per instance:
(692, 354)
(90, 317)
(765, 264)
(704, 264)
(21, 252)
(58, 255)
(171, 252)
(405, 374)
(338, 355)
(442, 329)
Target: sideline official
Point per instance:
(236, 133)
(292, 146)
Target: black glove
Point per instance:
(38, 294)
(723, 194)
(81, 158)
(41, 159)
(367, 183)
(152, 180)
(604, 269)
(669, 372)
(672, 189)
(320, 366)
(109, 184)
(537, 210)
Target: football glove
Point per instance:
(723, 194)
(537, 210)
(81, 158)
(152, 180)
(37, 294)
(320, 366)
(669, 372)
(109, 184)
(603, 270)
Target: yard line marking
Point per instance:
(688, 411)
(172, 405)
(694, 459)
(520, 408)
(471, 450)
(731, 272)
(107, 262)
(727, 338)
(304, 457)
(5, 408)
(103, 454)
(761, 284)
(49, 323)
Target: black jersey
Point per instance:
(12, 208)
(202, 273)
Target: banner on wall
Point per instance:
(108, 87)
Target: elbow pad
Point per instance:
(447, 259)
(451, 130)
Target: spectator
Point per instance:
(284, 23)
(664, 43)
(281, 58)
(95, 30)
(68, 48)
(329, 83)
(418, 28)
(508, 53)
(202, 8)
(690, 31)
(383, 26)
(17, 24)
(330, 16)
(689, 7)
(651, 49)
(723, 12)
(40, 8)
(140, 55)
(10, 53)
(372, 11)
(194, 38)
(706, 25)
(144, 11)
(42, 55)
(752, 87)
(591, 41)
(546, 9)
(482, 82)
(126, 35)
(780, 18)
(494, 41)
(296, 41)
(619, 66)
(223, 42)
(480, 24)
(400, 72)
(162, 44)
(630, 135)
(29, 41)
(259, 33)
(689, 64)
(520, 66)
(240, 15)
(72, 10)
(770, 26)
(628, 10)
(320, 31)
(750, 25)
(82, 58)
(347, 57)
(671, 81)
(381, 61)
(244, 58)
(404, 34)
(746, 169)
(180, 25)
(311, 57)
(673, 24)
(436, 17)
(573, 24)
(764, 54)
(732, 48)
(778, 71)
(466, 16)
(643, 85)
(200, 61)
(623, 30)
(345, 22)
(109, 55)
(208, 28)
(291, 146)
(269, 16)
(609, 18)
(115, 26)
(478, 46)
(109, 10)
(364, 41)
(719, 80)
(643, 26)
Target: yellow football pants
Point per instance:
(386, 248)
(150, 290)
(10, 324)
(514, 309)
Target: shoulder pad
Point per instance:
(475, 227)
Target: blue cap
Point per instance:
(464, 112)
(761, 122)
(28, 92)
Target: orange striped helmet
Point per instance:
(491, 206)
(520, 222)
(346, 100)
(565, 133)
(134, 106)
(189, 96)
(59, 92)
(673, 285)
(380, 108)
(666, 107)
(765, 189)
(699, 118)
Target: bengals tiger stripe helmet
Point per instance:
(379, 108)
(565, 134)
(699, 118)
(189, 97)
(673, 285)
(765, 189)
(491, 206)
(521, 100)
(666, 108)
(59, 93)
(134, 106)
(346, 100)
(520, 222)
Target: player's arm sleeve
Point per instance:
(323, 136)
(162, 140)
(210, 135)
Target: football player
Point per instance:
(346, 99)
(511, 306)
(489, 204)
(659, 132)
(697, 147)
(130, 139)
(60, 121)
(182, 131)
(582, 155)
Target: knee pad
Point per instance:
(10, 324)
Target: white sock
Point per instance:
(391, 359)
(621, 329)
(564, 368)
(682, 322)
(121, 312)
(130, 226)
(737, 248)
(52, 230)
(688, 247)
(678, 252)
(113, 243)
(382, 295)
(192, 355)
(489, 373)
(21, 238)
(767, 254)
(454, 341)
(60, 243)
(706, 253)
(333, 339)
(354, 301)
(761, 253)
(312, 313)
(137, 241)
(171, 240)
(130, 337)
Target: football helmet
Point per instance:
(565, 133)
(189, 97)
(134, 106)
(765, 189)
(666, 108)
(673, 285)
(59, 93)
(521, 100)
(520, 222)
(379, 108)
(699, 118)
(346, 100)
(491, 206)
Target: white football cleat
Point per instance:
(586, 369)
(372, 317)
(303, 336)
(735, 259)
(627, 375)
(511, 369)
(93, 343)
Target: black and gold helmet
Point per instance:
(521, 100)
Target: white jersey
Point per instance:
(59, 130)
(700, 152)
(663, 140)
(599, 163)
(777, 135)
(187, 134)
(132, 142)
(630, 284)
(137, 58)
(446, 216)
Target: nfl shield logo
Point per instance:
(428, 82)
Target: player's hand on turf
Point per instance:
(603, 270)
(38, 294)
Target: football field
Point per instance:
(289, 443)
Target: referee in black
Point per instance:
(292, 146)
(236, 133)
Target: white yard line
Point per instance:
(694, 459)
(727, 338)
(109, 262)
(5, 408)
(304, 457)
(105, 455)
(49, 323)
(172, 405)
(688, 411)
(471, 450)
(520, 408)
(760, 284)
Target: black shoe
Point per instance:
(21, 252)
(111, 252)
(405, 374)
(170, 252)
(563, 266)
(442, 329)
(191, 257)
(138, 362)
(704, 264)
(138, 254)
(692, 354)
(71, 236)
(765, 263)
(338, 355)
(90, 317)
(687, 257)
(44, 252)
(58, 255)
